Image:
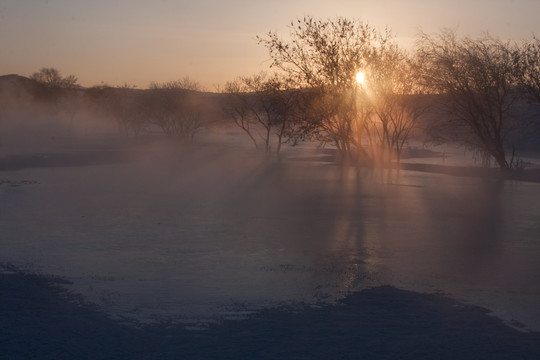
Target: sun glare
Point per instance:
(360, 77)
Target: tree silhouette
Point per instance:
(175, 107)
(322, 58)
(530, 68)
(52, 79)
(476, 81)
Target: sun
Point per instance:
(360, 78)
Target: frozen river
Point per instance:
(212, 234)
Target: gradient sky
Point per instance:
(212, 41)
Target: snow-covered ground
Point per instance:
(197, 235)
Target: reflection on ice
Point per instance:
(216, 233)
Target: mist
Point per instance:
(152, 229)
(210, 226)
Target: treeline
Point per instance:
(176, 107)
(342, 82)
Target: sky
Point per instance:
(212, 41)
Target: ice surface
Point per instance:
(198, 234)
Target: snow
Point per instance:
(228, 243)
(39, 322)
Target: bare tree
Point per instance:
(175, 107)
(52, 79)
(529, 57)
(238, 107)
(390, 91)
(261, 105)
(127, 105)
(476, 82)
(286, 111)
(322, 58)
(184, 83)
(60, 91)
(530, 68)
(330, 116)
(124, 103)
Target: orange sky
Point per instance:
(211, 41)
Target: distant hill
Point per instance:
(14, 79)
(19, 92)
(16, 84)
